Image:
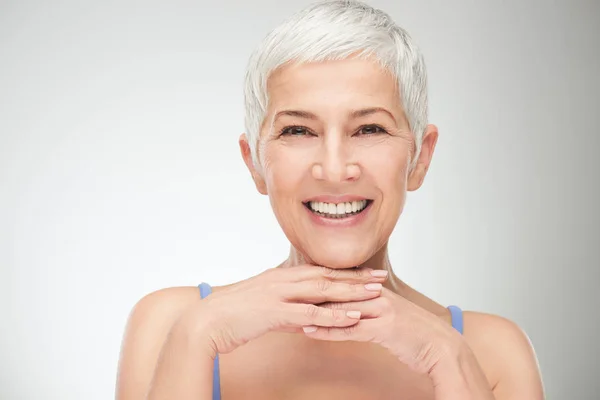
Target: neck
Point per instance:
(379, 260)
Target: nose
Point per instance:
(335, 162)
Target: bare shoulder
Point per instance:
(148, 325)
(154, 314)
(163, 303)
(506, 355)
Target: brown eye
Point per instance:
(294, 131)
(371, 130)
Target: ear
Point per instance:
(417, 175)
(247, 156)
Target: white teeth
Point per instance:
(338, 209)
(331, 208)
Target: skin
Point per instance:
(334, 153)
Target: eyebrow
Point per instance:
(354, 114)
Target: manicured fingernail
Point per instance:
(379, 273)
(309, 329)
(373, 286)
(353, 314)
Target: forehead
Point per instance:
(329, 85)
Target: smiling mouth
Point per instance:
(337, 210)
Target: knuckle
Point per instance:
(338, 315)
(329, 272)
(348, 330)
(323, 285)
(334, 306)
(312, 312)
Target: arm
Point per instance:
(163, 354)
(518, 376)
(185, 366)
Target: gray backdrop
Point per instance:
(120, 174)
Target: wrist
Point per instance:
(195, 327)
(449, 379)
(458, 376)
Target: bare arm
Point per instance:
(520, 377)
(518, 374)
(185, 366)
(163, 353)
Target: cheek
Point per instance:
(285, 168)
(387, 165)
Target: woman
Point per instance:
(337, 133)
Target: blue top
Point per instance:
(205, 290)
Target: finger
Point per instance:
(298, 315)
(364, 331)
(290, 329)
(322, 291)
(311, 272)
(353, 275)
(368, 308)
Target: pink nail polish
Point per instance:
(379, 273)
(373, 286)
(353, 314)
(309, 329)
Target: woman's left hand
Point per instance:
(419, 338)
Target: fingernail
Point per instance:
(373, 286)
(309, 329)
(379, 273)
(353, 314)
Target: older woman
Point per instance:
(336, 118)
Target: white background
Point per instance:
(120, 174)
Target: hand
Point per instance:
(283, 299)
(417, 337)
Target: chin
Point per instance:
(339, 256)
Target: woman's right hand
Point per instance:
(283, 299)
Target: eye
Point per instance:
(294, 131)
(369, 130)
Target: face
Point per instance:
(335, 148)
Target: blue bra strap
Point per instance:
(457, 318)
(205, 290)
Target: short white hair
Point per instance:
(336, 30)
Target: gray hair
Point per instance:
(336, 30)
